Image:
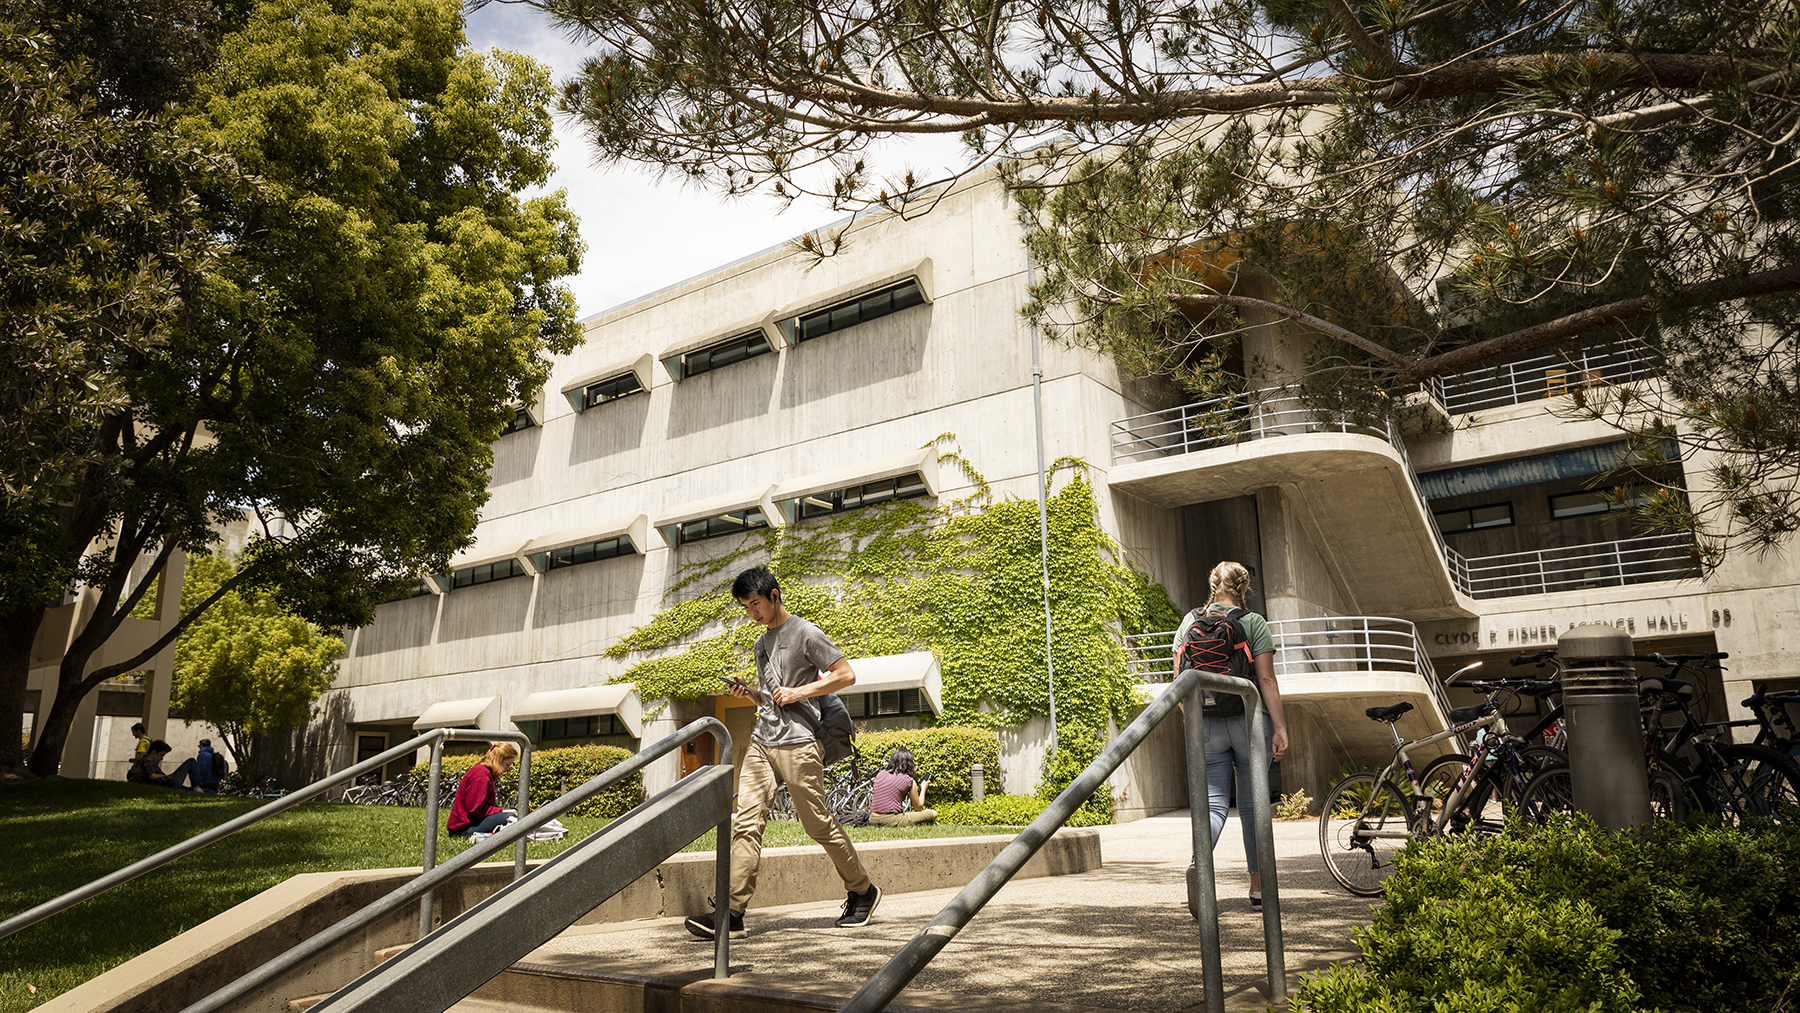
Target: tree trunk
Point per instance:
(46, 757)
(18, 630)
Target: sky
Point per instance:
(643, 234)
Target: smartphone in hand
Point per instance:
(729, 681)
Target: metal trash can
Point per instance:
(1606, 737)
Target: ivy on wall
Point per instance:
(961, 578)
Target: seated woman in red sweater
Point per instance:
(474, 811)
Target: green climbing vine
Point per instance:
(960, 578)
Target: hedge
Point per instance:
(1006, 811)
(1572, 917)
(554, 771)
(947, 753)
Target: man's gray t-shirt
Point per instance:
(793, 654)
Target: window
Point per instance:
(848, 314)
(623, 385)
(592, 726)
(724, 524)
(888, 703)
(521, 421)
(487, 573)
(1597, 501)
(725, 353)
(1497, 515)
(857, 496)
(418, 590)
(586, 552)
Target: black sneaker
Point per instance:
(702, 925)
(1256, 902)
(859, 907)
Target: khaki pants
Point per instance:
(765, 769)
(906, 819)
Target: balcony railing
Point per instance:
(1303, 647)
(1575, 567)
(1542, 376)
(1223, 422)
(1322, 646)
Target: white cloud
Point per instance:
(644, 234)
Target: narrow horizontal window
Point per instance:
(887, 703)
(592, 726)
(487, 573)
(586, 552)
(1598, 501)
(725, 353)
(847, 314)
(612, 389)
(521, 421)
(858, 496)
(1495, 515)
(732, 523)
(418, 590)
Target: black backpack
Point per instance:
(1216, 642)
(220, 766)
(836, 730)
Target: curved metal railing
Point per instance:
(434, 738)
(1224, 421)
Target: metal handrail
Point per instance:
(1543, 376)
(1225, 421)
(516, 832)
(886, 983)
(1594, 564)
(433, 738)
(1304, 646)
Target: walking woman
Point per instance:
(475, 810)
(1228, 730)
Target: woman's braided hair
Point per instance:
(1232, 579)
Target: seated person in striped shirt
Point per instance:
(888, 798)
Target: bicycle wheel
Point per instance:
(1668, 798)
(781, 806)
(1756, 783)
(1548, 793)
(1479, 806)
(1362, 827)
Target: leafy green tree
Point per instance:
(248, 665)
(1423, 187)
(382, 300)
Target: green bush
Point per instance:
(1003, 811)
(947, 753)
(1571, 917)
(554, 771)
(1076, 748)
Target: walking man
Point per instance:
(795, 664)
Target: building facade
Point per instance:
(780, 389)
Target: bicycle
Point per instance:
(1734, 781)
(845, 793)
(1365, 819)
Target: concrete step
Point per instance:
(596, 985)
(304, 1003)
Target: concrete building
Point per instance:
(1383, 558)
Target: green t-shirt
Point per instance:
(1256, 628)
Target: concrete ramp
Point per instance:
(433, 974)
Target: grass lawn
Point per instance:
(72, 832)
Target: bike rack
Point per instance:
(434, 738)
(881, 989)
(446, 965)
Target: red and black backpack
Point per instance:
(1216, 642)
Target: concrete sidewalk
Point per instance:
(1115, 938)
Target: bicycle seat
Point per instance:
(1470, 713)
(1651, 685)
(1388, 714)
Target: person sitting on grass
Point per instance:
(475, 811)
(147, 769)
(888, 796)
